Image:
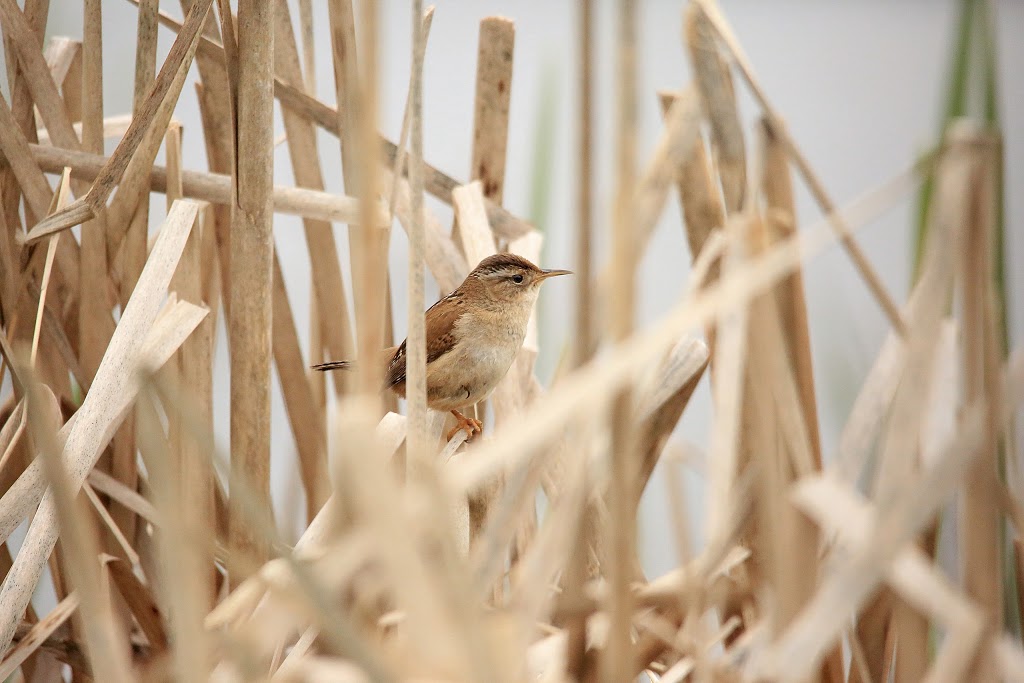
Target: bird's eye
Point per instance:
(518, 279)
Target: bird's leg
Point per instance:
(470, 425)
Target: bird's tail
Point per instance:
(333, 365)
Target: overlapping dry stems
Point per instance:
(428, 560)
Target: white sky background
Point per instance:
(860, 83)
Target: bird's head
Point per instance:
(509, 278)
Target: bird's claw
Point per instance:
(470, 425)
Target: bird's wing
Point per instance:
(440, 334)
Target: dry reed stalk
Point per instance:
(703, 211)
(59, 360)
(11, 433)
(751, 436)
(718, 100)
(21, 113)
(676, 144)
(911, 574)
(36, 14)
(369, 256)
(495, 47)
(704, 582)
(398, 168)
(210, 264)
(304, 414)
(346, 76)
(436, 182)
(584, 340)
(64, 59)
(546, 557)
(441, 256)
(139, 338)
(193, 366)
(211, 187)
(252, 272)
(620, 494)
(138, 597)
(303, 407)
(352, 93)
(488, 557)
(781, 223)
(308, 47)
(661, 398)
(330, 300)
(214, 96)
(876, 392)
(786, 543)
(180, 551)
(36, 76)
(229, 34)
(59, 201)
(106, 645)
(477, 243)
(677, 378)
(493, 93)
(979, 515)
(134, 216)
(71, 85)
(36, 637)
(38, 196)
(104, 483)
(924, 320)
(11, 455)
(8, 282)
(114, 127)
(828, 207)
(133, 209)
(110, 533)
(727, 393)
(476, 238)
(219, 145)
(792, 317)
(15, 147)
(414, 579)
(93, 302)
(245, 599)
(910, 506)
(416, 350)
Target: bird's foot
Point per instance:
(469, 424)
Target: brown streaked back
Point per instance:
(440, 325)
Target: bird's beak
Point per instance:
(545, 274)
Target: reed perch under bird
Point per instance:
(472, 337)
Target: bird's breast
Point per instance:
(486, 347)
(495, 340)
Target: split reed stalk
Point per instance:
(416, 382)
(622, 504)
(252, 254)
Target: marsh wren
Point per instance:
(473, 336)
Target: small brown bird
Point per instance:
(473, 335)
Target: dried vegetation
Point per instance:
(430, 561)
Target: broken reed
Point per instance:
(451, 571)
